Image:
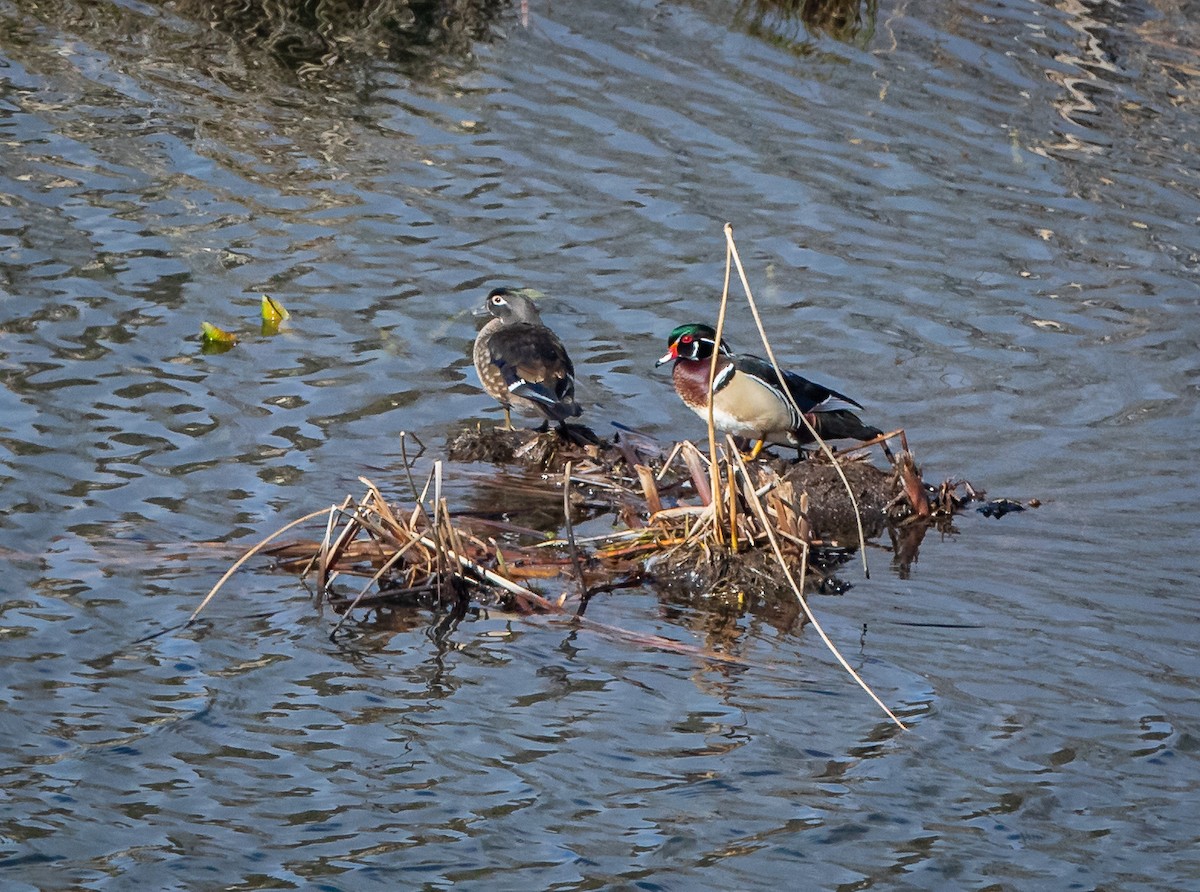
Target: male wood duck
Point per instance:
(748, 398)
(521, 362)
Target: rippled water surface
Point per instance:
(980, 219)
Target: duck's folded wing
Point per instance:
(809, 395)
(535, 365)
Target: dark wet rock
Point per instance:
(549, 450)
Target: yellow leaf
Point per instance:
(210, 332)
(273, 311)
(215, 340)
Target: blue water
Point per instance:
(979, 220)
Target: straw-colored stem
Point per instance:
(323, 551)
(333, 509)
(439, 546)
(670, 458)
(455, 540)
(245, 557)
(391, 562)
(714, 468)
(485, 573)
(787, 572)
(731, 249)
(349, 532)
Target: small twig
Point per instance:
(323, 568)
(391, 562)
(576, 561)
(333, 509)
(670, 458)
(649, 489)
(881, 440)
(507, 584)
(453, 535)
(640, 533)
(418, 499)
(404, 452)
(330, 557)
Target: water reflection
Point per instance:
(790, 22)
(920, 224)
(1087, 70)
(424, 39)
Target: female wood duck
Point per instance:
(748, 398)
(521, 362)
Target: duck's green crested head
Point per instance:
(693, 340)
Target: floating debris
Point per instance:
(999, 507)
(669, 530)
(273, 315)
(214, 339)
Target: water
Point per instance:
(980, 220)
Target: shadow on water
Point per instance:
(329, 43)
(329, 40)
(420, 37)
(793, 24)
(424, 38)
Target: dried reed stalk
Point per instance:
(245, 557)
(731, 251)
(798, 588)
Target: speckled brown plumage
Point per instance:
(521, 363)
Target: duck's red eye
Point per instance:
(686, 339)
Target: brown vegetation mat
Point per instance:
(669, 530)
(775, 529)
